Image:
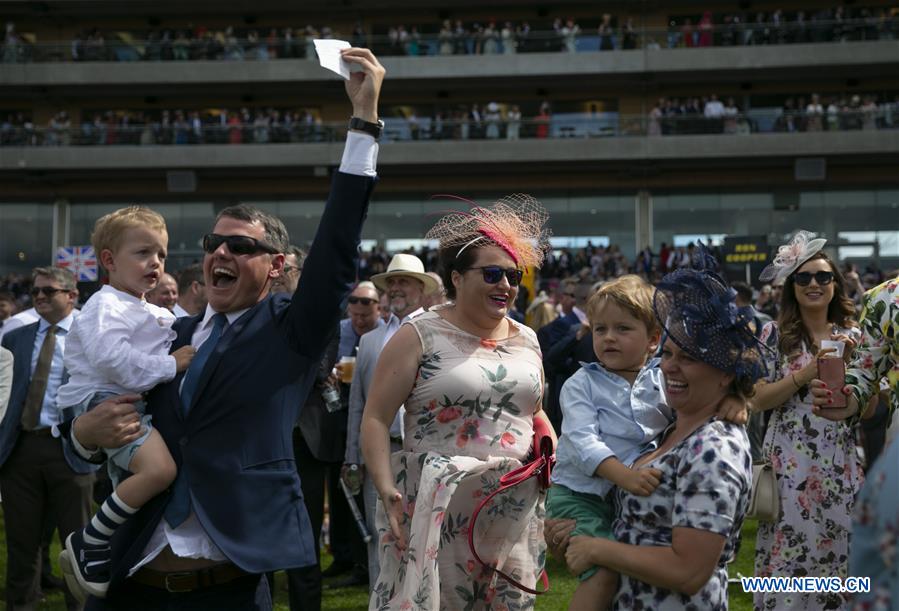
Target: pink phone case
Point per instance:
(833, 373)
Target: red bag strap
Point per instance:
(540, 468)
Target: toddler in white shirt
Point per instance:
(120, 345)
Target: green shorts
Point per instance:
(593, 515)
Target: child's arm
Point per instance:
(638, 481)
(108, 349)
(581, 427)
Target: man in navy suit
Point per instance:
(38, 474)
(236, 509)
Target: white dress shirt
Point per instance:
(49, 412)
(189, 540)
(119, 344)
(180, 312)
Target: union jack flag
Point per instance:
(80, 260)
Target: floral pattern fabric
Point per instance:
(875, 538)
(878, 350)
(705, 484)
(818, 475)
(468, 421)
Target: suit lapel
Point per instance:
(24, 352)
(230, 333)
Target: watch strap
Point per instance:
(373, 129)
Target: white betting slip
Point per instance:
(328, 51)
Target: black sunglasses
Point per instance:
(493, 274)
(363, 300)
(237, 244)
(805, 278)
(49, 291)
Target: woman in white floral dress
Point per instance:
(814, 458)
(471, 381)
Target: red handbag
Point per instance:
(540, 466)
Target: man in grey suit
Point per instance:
(406, 284)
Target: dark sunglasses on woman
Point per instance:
(363, 300)
(493, 274)
(805, 278)
(237, 244)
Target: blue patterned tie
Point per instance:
(178, 507)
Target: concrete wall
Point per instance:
(462, 153)
(729, 60)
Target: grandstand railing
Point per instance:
(568, 126)
(125, 46)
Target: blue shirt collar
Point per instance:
(652, 363)
(65, 324)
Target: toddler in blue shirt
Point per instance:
(612, 413)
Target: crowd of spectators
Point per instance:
(604, 32)
(802, 113)
(778, 27)
(587, 266)
(262, 126)
(491, 121)
(221, 126)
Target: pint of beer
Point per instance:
(345, 368)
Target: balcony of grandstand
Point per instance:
(637, 124)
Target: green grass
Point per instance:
(562, 584)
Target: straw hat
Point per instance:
(405, 265)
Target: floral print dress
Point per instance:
(877, 356)
(469, 420)
(818, 475)
(705, 485)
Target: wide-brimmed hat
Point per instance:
(697, 311)
(405, 265)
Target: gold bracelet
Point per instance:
(795, 383)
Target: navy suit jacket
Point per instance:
(235, 443)
(548, 335)
(21, 343)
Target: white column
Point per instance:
(643, 225)
(61, 226)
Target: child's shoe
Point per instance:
(85, 567)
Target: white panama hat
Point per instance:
(405, 265)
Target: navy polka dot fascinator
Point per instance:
(696, 309)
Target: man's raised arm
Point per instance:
(330, 269)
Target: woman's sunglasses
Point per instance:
(237, 244)
(363, 300)
(805, 278)
(493, 274)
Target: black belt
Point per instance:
(188, 581)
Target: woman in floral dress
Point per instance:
(814, 458)
(471, 381)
